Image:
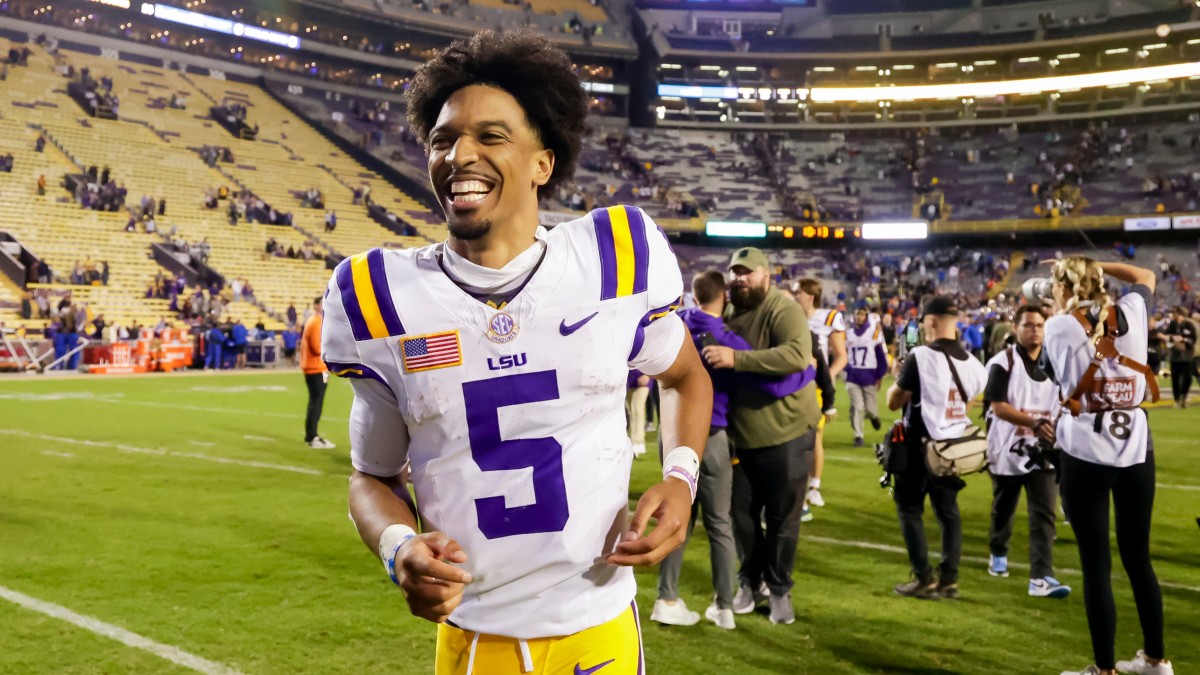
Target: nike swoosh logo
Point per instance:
(567, 330)
(589, 671)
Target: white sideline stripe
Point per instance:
(150, 451)
(52, 453)
(203, 444)
(173, 654)
(887, 548)
(201, 408)
(1169, 486)
(252, 437)
(849, 458)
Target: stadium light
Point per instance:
(900, 230)
(981, 90)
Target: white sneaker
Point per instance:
(1141, 666)
(723, 618)
(815, 498)
(674, 615)
(639, 449)
(321, 444)
(1048, 587)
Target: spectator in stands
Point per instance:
(291, 314)
(240, 336)
(162, 206)
(98, 325)
(6, 163)
(40, 144)
(41, 185)
(316, 377)
(27, 306)
(330, 221)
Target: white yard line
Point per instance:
(170, 653)
(52, 453)
(887, 548)
(1169, 486)
(151, 451)
(203, 444)
(252, 437)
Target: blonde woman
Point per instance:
(1107, 449)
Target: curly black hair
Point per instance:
(523, 63)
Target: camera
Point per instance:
(1038, 289)
(1038, 455)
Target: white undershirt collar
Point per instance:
(477, 279)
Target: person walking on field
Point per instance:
(316, 377)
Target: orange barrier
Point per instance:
(172, 350)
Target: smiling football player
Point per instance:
(490, 372)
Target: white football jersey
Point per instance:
(942, 407)
(1119, 437)
(513, 418)
(825, 322)
(860, 349)
(1037, 399)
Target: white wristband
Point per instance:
(683, 463)
(389, 545)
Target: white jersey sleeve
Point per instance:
(660, 332)
(378, 434)
(839, 322)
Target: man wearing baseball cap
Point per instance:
(773, 437)
(933, 408)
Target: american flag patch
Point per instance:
(427, 352)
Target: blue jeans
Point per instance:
(212, 359)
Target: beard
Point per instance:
(748, 297)
(469, 231)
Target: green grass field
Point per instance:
(185, 509)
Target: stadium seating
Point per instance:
(153, 150)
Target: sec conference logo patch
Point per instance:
(502, 329)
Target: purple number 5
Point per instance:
(484, 398)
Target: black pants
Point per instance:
(1086, 488)
(316, 400)
(1041, 495)
(910, 488)
(769, 484)
(1181, 379)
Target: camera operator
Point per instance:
(1107, 447)
(1022, 398)
(933, 408)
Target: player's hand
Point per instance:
(670, 504)
(1045, 432)
(830, 415)
(431, 585)
(718, 356)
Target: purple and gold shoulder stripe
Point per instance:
(624, 251)
(355, 371)
(363, 285)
